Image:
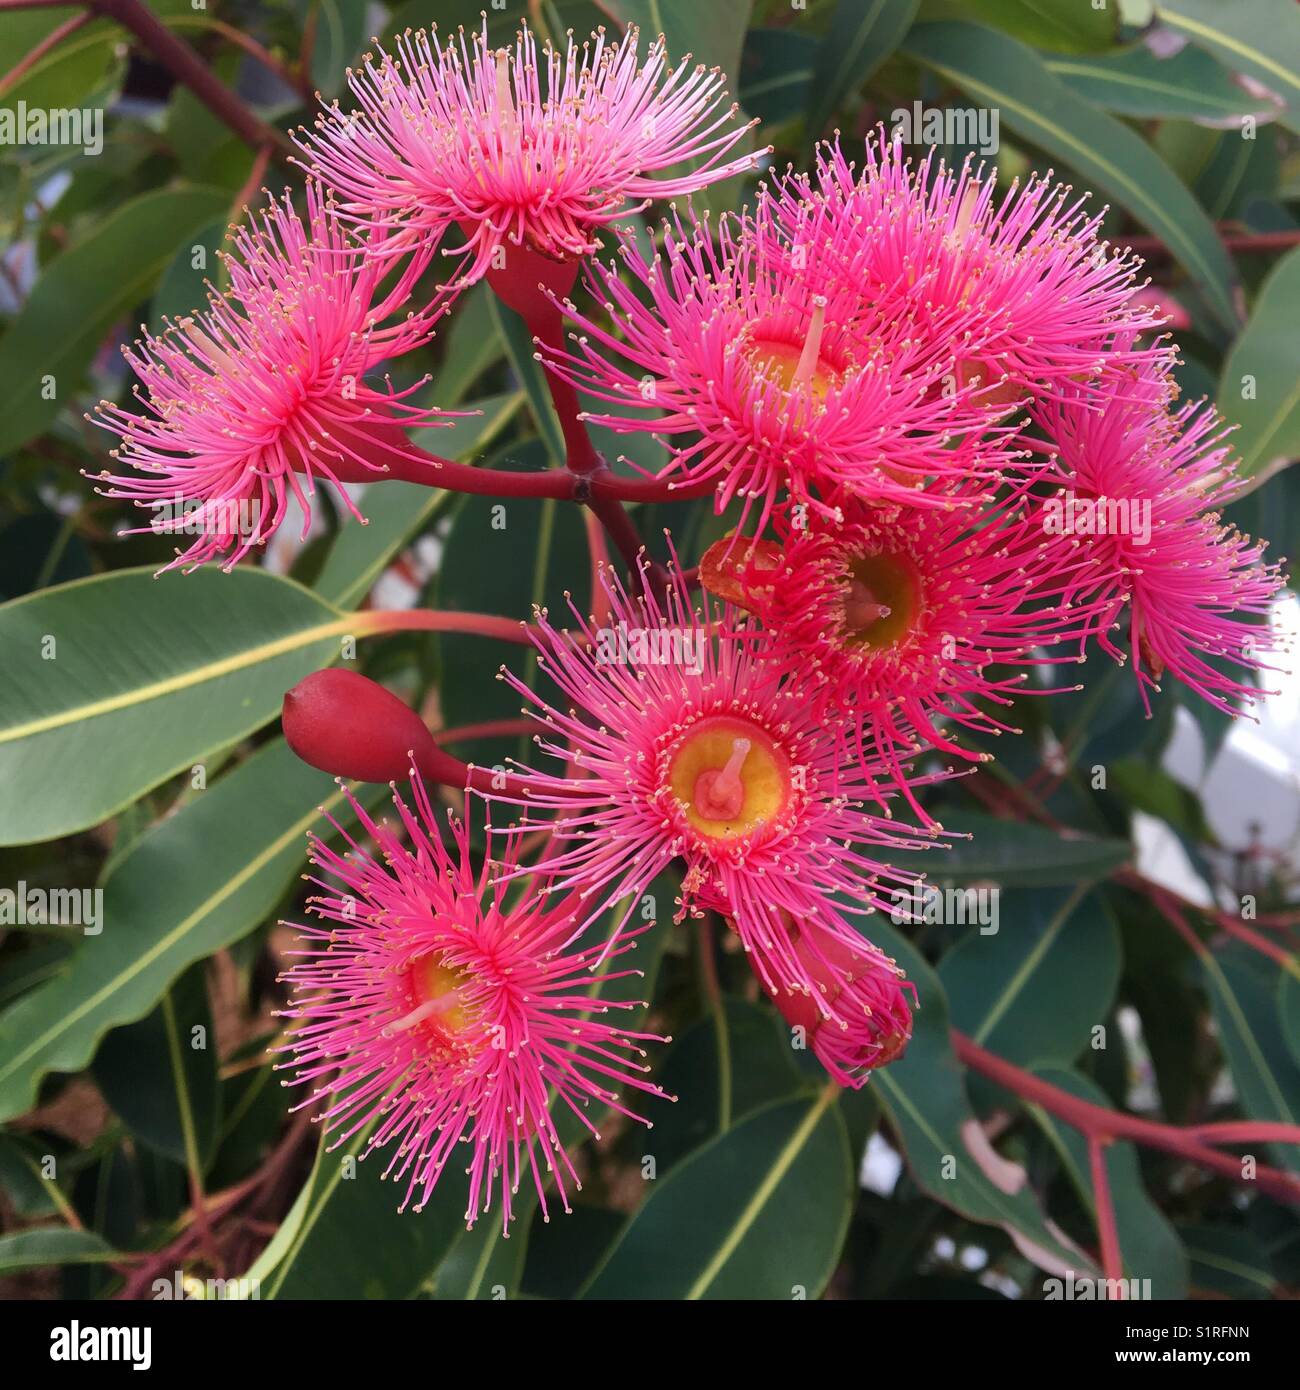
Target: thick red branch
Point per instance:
(1101, 1123)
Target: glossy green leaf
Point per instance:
(68, 73)
(53, 1245)
(924, 1095)
(502, 555)
(1135, 82)
(160, 1075)
(776, 69)
(711, 34)
(182, 288)
(1007, 76)
(396, 511)
(1260, 388)
(198, 881)
(111, 684)
(1288, 1009)
(1228, 1262)
(862, 34)
(341, 33)
(721, 1069)
(1014, 854)
(1260, 38)
(349, 1239)
(1064, 26)
(760, 1212)
(1033, 990)
(1243, 994)
(521, 351)
(78, 297)
(1148, 1242)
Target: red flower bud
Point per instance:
(347, 724)
(865, 995)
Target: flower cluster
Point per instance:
(943, 432)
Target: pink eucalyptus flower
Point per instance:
(1141, 485)
(680, 743)
(779, 382)
(268, 381)
(1038, 289)
(441, 1014)
(466, 134)
(897, 622)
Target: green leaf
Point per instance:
(1148, 1242)
(1014, 80)
(1014, 854)
(1261, 39)
(68, 73)
(483, 1264)
(341, 34)
(22, 1179)
(79, 296)
(112, 684)
(925, 1097)
(1288, 1008)
(1135, 82)
(721, 1071)
(502, 555)
(396, 511)
(776, 69)
(350, 1240)
(711, 33)
(1243, 996)
(182, 288)
(57, 1245)
(1066, 26)
(519, 348)
(1033, 990)
(1264, 365)
(161, 1085)
(761, 1212)
(198, 881)
(862, 34)
(1227, 1261)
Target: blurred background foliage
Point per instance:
(129, 1152)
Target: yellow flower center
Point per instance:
(439, 1004)
(798, 369)
(730, 777)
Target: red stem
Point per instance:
(1112, 1262)
(492, 728)
(436, 620)
(389, 455)
(1096, 1120)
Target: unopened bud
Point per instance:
(861, 1017)
(349, 725)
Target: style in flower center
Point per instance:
(439, 1005)
(881, 604)
(729, 776)
(801, 370)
